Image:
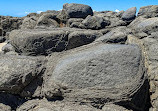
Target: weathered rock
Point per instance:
(48, 20)
(29, 22)
(77, 10)
(98, 74)
(146, 26)
(129, 14)
(18, 71)
(148, 11)
(72, 21)
(44, 105)
(38, 42)
(117, 35)
(79, 38)
(94, 22)
(10, 23)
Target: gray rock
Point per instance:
(117, 35)
(94, 22)
(97, 74)
(79, 38)
(74, 20)
(77, 10)
(38, 42)
(18, 71)
(29, 22)
(48, 20)
(44, 105)
(146, 26)
(129, 14)
(148, 11)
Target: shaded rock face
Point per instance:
(18, 71)
(129, 14)
(10, 23)
(94, 74)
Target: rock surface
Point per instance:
(77, 10)
(18, 71)
(85, 60)
(105, 76)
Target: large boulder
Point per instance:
(18, 71)
(79, 38)
(77, 10)
(148, 11)
(98, 74)
(129, 14)
(38, 42)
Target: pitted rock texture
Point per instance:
(86, 60)
(38, 42)
(18, 71)
(96, 72)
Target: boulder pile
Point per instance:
(80, 60)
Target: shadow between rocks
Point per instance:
(140, 101)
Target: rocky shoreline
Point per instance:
(80, 60)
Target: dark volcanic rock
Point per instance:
(129, 14)
(77, 10)
(38, 42)
(79, 38)
(117, 35)
(97, 73)
(18, 71)
(29, 22)
(10, 23)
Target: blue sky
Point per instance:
(23, 7)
